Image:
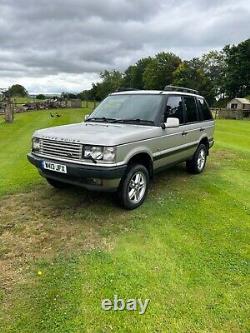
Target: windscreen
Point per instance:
(143, 107)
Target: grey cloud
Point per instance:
(40, 39)
(114, 10)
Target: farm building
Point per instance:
(239, 104)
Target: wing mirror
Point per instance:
(171, 123)
(86, 117)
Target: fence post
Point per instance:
(9, 111)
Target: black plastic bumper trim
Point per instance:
(179, 150)
(79, 170)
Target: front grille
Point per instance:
(67, 150)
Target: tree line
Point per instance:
(217, 75)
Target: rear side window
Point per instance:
(205, 113)
(174, 108)
(191, 109)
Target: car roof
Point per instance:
(154, 92)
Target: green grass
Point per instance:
(15, 143)
(186, 248)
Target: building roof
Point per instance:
(242, 100)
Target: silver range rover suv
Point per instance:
(130, 136)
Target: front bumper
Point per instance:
(91, 177)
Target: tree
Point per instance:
(214, 66)
(237, 73)
(111, 81)
(133, 76)
(93, 92)
(68, 95)
(190, 74)
(217, 74)
(129, 77)
(159, 71)
(17, 90)
(41, 97)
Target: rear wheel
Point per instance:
(197, 163)
(134, 187)
(56, 183)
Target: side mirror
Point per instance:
(171, 123)
(86, 117)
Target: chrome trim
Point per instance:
(80, 162)
(61, 149)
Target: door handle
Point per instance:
(184, 133)
(202, 129)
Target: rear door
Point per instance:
(206, 118)
(192, 126)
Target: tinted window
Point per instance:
(191, 110)
(174, 108)
(204, 109)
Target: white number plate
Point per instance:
(55, 167)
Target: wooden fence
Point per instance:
(36, 105)
(90, 104)
(222, 113)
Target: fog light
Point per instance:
(95, 181)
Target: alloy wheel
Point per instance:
(137, 187)
(201, 160)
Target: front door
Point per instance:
(171, 143)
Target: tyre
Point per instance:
(56, 183)
(134, 187)
(197, 163)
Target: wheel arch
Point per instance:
(143, 158)
(205, 141)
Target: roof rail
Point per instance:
(182, 89)
(126, 89)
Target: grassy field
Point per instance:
(186, 248)
(15, 142)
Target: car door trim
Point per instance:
(169, 152)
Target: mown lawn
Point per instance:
(15, 142)
(186, 248)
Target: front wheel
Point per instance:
(134, 187)
(198, 162)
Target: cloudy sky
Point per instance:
(62, 45)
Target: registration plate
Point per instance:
(55, 167)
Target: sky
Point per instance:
(50, 46)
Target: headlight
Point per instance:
(94, 152)
(109, 154)
(35, 144)
(100, 153)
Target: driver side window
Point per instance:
(174, 108)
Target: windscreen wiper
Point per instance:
(136, 120)
(101, 119)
